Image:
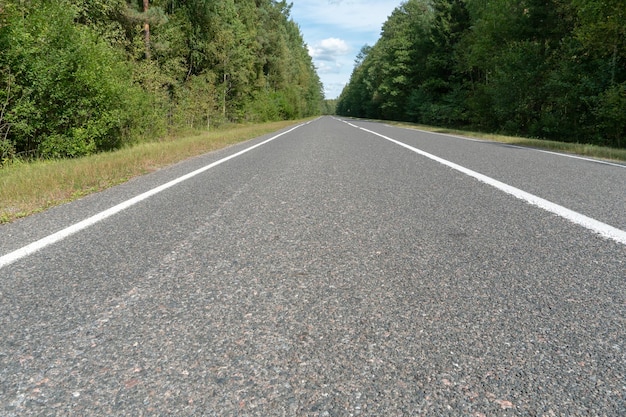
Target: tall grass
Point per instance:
(30, 187)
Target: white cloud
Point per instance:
(328, 68)
(354, 15)
(332, 90)
(329, 49)
(335, 31)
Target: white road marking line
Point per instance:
(77, 227)
(448, 135)
(603, 229)
(528, 148)
(597, 161)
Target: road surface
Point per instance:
(341, 268)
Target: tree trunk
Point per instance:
(146, 28)
(224, 98)
(614, 64)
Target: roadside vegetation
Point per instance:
(30, 187)
(79, 77)
(551, 69)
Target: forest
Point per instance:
(84, 76)
(550, 69)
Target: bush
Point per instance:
(72, 93)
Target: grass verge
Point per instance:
(31, 187)
(593, 151)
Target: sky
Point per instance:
(335, 31)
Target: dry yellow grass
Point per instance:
(593, 151)
(27, 188)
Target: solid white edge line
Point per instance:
(596, 226)
(77, 227)
(582, 158)
(528, 148)
(448, 135)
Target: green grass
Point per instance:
(592, 151)
(31, 187)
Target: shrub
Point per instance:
(72, 93)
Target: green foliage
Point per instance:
(193, 113)
(329, 107)
(82, 76)
(71, 92)
(611, 113)
(550, 69)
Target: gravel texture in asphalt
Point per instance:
(327, 273)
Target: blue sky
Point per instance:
(335, 31)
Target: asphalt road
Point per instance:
(327, 272)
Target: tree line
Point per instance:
(553, 69)
(82, 76)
